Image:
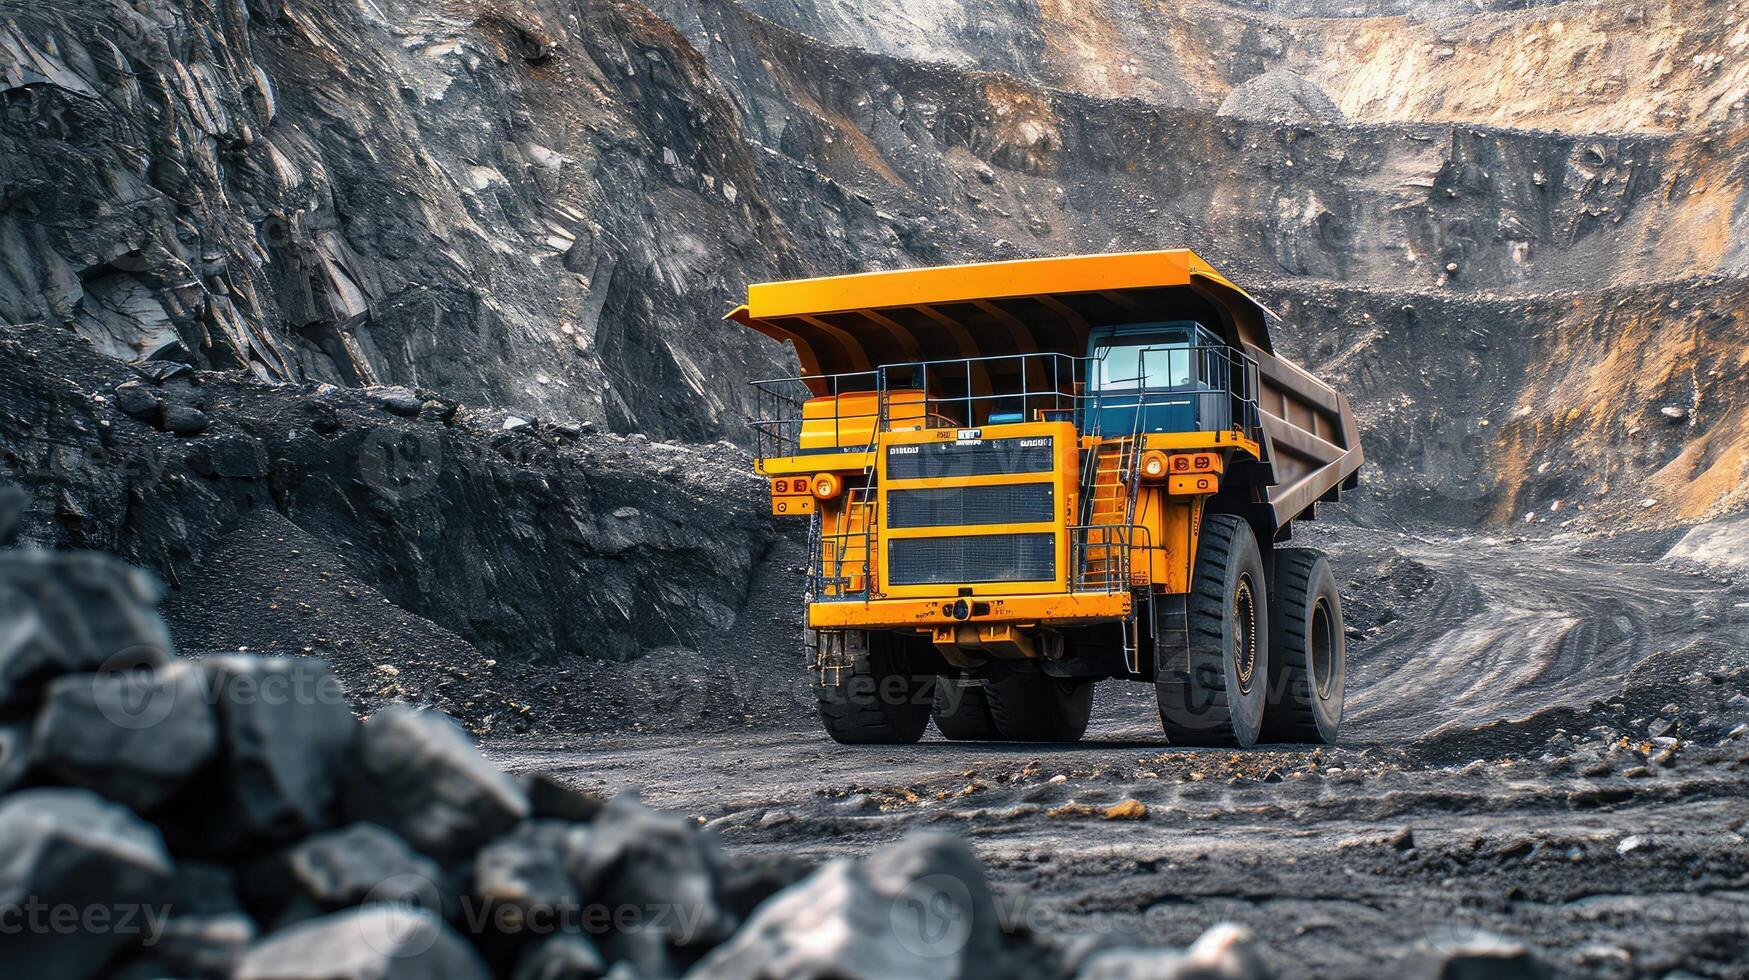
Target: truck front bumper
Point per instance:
(1049, 609)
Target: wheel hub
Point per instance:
(1245, 636)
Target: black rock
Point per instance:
(553, 799)
(421, 776)
(341, 868)
(172, 351)
(394, 398)
(14, 754)
(184, 420)
(753, 878)
(206, 946)
(520, 878)
(70, 848)
(73, 612)
(324, 415)
(936, 868)
(1224, 952)
(642, 858)
(207, 931)
(159, 372)
(567, 956)
(382, 941)
(134, 736)
(920, 907)
(135, 399)
(13, 502)
(234, 457)
(288, 734)
(1481, 955)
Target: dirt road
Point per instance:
(1497, 772)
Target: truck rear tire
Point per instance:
(962, 711)
(875, 697)
(1040, 708)
(1213, 691)
(1307, 654)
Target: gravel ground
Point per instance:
(1499, 770)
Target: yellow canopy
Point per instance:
(842, 324)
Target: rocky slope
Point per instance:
(375, 528)
(546, 207)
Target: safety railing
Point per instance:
(783, 423)
(841, 565)
(1201, 388)
(971, 392)
(1102, 556)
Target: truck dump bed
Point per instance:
(847, 327)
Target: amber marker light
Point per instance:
(827, 486)
(1153, 465)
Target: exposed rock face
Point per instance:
(388, 194)
(1281, 95)
(507, 539)
(546, 207)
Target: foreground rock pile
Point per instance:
(229, 816)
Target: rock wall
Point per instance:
(524, 539)
(546, 207)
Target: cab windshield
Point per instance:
(1132, 362)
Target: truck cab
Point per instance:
(1012, 473)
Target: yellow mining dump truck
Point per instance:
(1023, 477)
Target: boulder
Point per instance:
(135, 399)
(208, 946)
(136, 737)
(207, 931)
(421, 776)
(337, 869)
(919, 908)
(567, 956)
(288, 733)
(520, 878)
(1479, 955)
(71, 852)
(184, 420)
(396, 399)
(382, 941)
(64, 613)
(13, 503)
(642, 858)
(833, 924)
(550, 798)
(14, 755)
(1224, 952)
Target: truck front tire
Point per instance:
(1307, 653)
(1213, 690)
(868, 688)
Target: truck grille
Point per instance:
(1024, 503)
(972, 558)
(978, 457)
